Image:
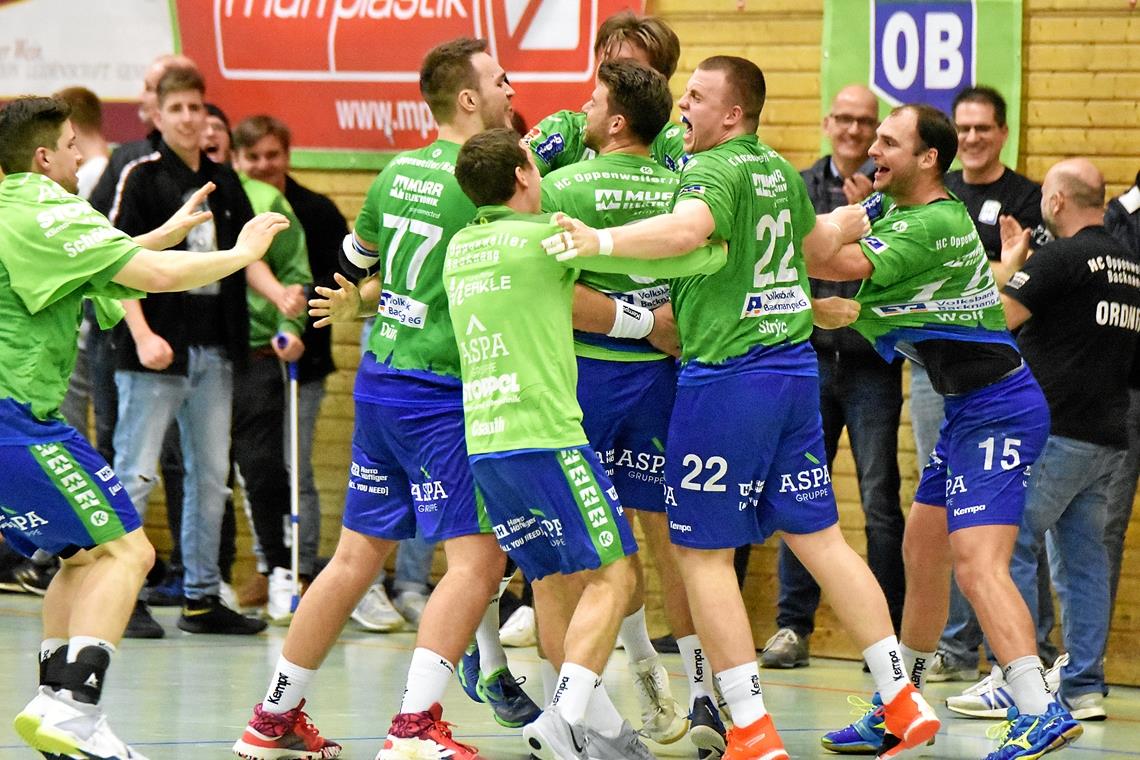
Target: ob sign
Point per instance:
(922, 51)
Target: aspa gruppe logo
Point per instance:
(922, 52)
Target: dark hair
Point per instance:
(935, 130)
(86, 109)
(982, 94)
(649, 33)
(746, 81)
(218, 113)
(252, 129)
(485, 169)
(447, 70)
(28, 123)
(179, 79)
(638, 93)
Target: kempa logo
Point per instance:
(698, 666)
(283, 682)
(896, 665)
(755, 686)
(563, 684)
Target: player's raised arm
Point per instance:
(830, 249)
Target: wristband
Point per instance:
(605, 243)
(631, 321)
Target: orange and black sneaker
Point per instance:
(283, 736)
(417, 735)
(910, 723)
(756, 741)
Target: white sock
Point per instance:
(573, 692)
(48, 647)
(602, 715)
(491, 654)
(428, 676)
(740, 687)
(78, 642)
(916, 664)
(549, 680)
(886, 665)
(696, 668)
(1026, 679)
(286, 687)
(635, 637)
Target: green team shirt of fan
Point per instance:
(55, 250)
(761, 208)
(610, 191)
(930, 274)
(510, 305)
(559, 140)
(410, 213)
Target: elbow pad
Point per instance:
(356, 261)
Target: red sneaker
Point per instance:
(283, 736)
(910, 723)
(416, 736)
(756, 741)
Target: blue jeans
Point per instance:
(865, 396)
(926, 414)
(309, 396)
(201, 403)
(1068, 493)
(1121, 492)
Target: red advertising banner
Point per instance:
(344, 74)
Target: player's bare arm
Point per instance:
(687, 227)
(830, 250)
(834, 312)
(174, 230)
(347, 303)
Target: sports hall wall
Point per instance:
(1081, 88)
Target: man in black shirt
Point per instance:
(1079, 301)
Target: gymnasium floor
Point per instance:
(189, 696)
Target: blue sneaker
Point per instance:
(864, 736)
(706, 729)
(468, 672)
(509, 703)
(1031, 736)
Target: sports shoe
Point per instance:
(142, 624)
(34, 577)
(627, 745)
(662, 719)
(1053, 674)
(510, 704)
(168, 594)
(942, 669)
(30, 718)
(1087, 706)
(280, 606)
(910, 722)
(209, 615)
(374, 612)
(74, 729)
(756, 741)
(518, 631)
(989, 697)
(410, 605)
(468, 672)
(1031, 736)
(706, 729)
(786, 649)
(415, 736)
(277, 736)
(228, 596)
(865, 735)
(550, 737)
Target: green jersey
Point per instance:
(510, 305)
(610, 191)
(931, 278)
(559, 140)
(761, 209)
(410, 213)
(54, 250)
(288, 259)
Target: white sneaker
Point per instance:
(550, 737)
(280, 607)
(1053, 674)
(662, 719)
(627, 745)
(375, 612)
(30, 718)
(1087, 706)
(228, 596)
(518, 631)
(78, 729)
(989, 697)
(410, 604)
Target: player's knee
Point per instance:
(974, 576)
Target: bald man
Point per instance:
(858, 390)
(1077, 301)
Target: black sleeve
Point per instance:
(131, 210)
(1028, 210)
(1045, 279)
(1123, 226)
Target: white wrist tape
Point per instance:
(605, 242)
(631, 321)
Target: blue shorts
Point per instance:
(555, 511)
(61, 496)
(746, 458)
(980, 467)
(625, 413)
(409, 467)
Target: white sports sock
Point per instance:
(286, 687)
(48, 647)
(634, 636)
(740, 687)
(1026, 679)
(886, 665)
(491, 654)
(428, 676)
(602, 715)
(916, 664)
(573, 692)
(696, 668)
(77, 643)
(549, 679)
